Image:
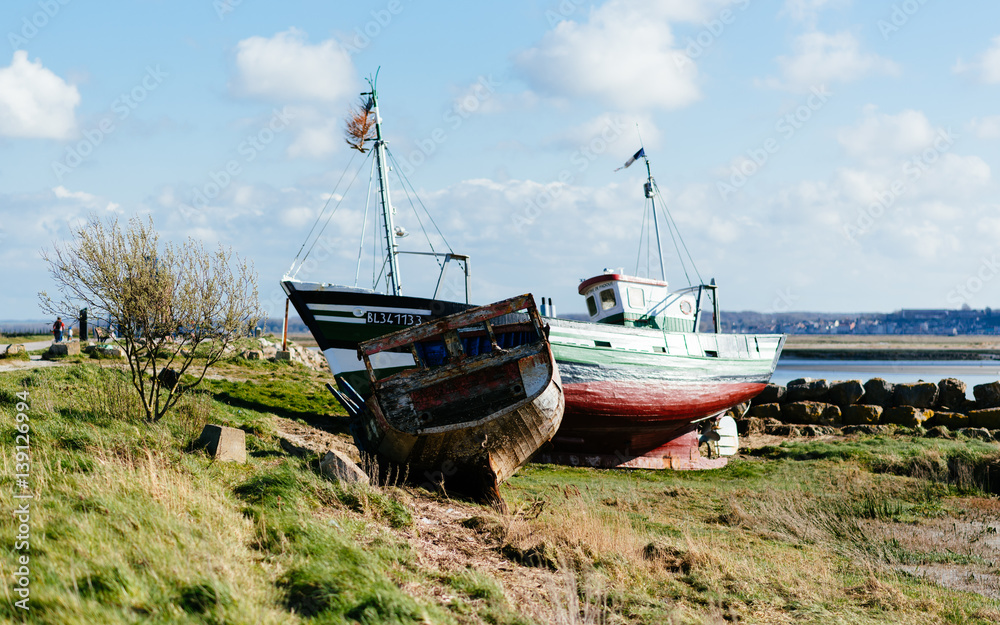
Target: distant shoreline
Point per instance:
(891, 347)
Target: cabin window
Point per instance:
(636, 298)
(608, 300)
(591, 306)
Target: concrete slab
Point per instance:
(337, 466)
(225, 444)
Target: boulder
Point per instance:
(280, 355)
(169, 378)
(69, 348)
(772, 394)
(987, 395)
(749, 426)
(950, 420)
(986, 418)
(811, 413)
(845, 393)
(938, 431)
(977, 433)
(878, 392)
(907, 416)
(806, 389)
(223, 443)
(917, 395)
(782, 430)
(15, 349)
(951, 394)
(338, 467)
(870, 430)
(815, 430)
(766, 411)
(862, 414)
(738, 411)
(252, 354)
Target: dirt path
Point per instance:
(448, 535)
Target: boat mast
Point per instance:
(392, 277)
(650, 190)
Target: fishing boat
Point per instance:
(484, 397)
(644, 384)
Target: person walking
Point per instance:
(57, 329)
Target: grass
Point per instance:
(132, 524)
(20, 337)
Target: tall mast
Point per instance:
(392, 277)
(650, 190)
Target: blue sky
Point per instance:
(816, 154)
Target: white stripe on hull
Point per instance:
(346, 360)
(339, 319)
(351, 308)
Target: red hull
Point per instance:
(641, 424)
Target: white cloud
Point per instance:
(624, 55)
(287, 68)
(880, 135)
(987, 127)
(34, 102)
(987, 65)
(609, 128)
(821, 59)
(808, 10)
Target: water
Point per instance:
(972, 372)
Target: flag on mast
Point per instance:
(641, 153)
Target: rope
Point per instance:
(332, 213)
(406, 181)
(320, 215)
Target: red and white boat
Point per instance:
(643, 385)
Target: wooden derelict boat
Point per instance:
(485, 396)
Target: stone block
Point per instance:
(15, 349)
(748, 426)
(224, 443)
(280, 355)
(782, 430)
(986, 418)
(811, 413)
(862, 414)
(951, 394)
(806, 389)
(951, 420)
(772, 394)
(918, 395)
(845, 393)
(252, 354)
(766, 411)
(987, 395)
(337, 466)
(69, 348)
(938, 431)
(878, 392)
(907, 416)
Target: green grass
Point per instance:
(133, 524)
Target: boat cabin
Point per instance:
(619, 299)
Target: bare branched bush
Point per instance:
(176, 308)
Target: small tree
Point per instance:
(170, 304)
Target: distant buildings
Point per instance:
(905, 321)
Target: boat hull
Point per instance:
(633, 396)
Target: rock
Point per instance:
(337, 466)
(782, 430)
(70, 348)
(766, 411)
(845, 393)
(907, 416)
(862, 414)
(951, 394)
(225, 444)
(749, 426)
(870, 430)
(280, 355)
(986, 418)
(738, 411)
(815, 430)
(950, 420)
(938, 431)
(811, 413)
(878, 392)
(252, 354)
(805, 389)
(917, 395)
(15, 349)
(977, 433)
(987, 395)
(772, 394)
(169, 378)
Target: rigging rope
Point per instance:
(406, 181)
(323, 210)
(670, 221)
(364, 223)
(332, 213)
